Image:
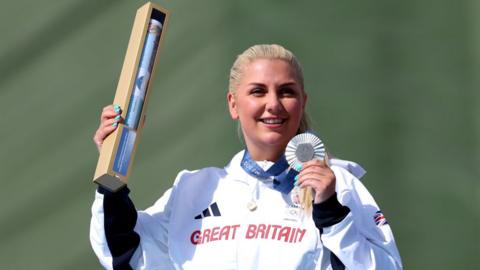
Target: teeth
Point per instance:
(272, 121)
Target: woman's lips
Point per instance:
(272, 122)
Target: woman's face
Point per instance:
(269, 103)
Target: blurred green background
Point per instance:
(393, 85)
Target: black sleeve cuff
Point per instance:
(120, 217)
(121, 191)
(329, 212)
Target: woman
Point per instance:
(235, 218)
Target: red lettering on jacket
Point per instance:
(214, 234)
(302, 233)
(284, 234)
(261, 230)
(196, 237)
(251, 231)
(275, 232)
(275, 228)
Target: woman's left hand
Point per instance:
(317, 175)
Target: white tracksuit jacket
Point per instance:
(203, 222)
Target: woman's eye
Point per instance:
(287, 91)
(257, 91)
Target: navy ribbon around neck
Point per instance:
(282, 175)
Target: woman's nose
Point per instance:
(274, 104)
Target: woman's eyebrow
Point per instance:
(292, 83)
(289, 84)
(257, 84)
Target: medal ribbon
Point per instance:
(280, 171)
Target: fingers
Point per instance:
(109, 119)
(314, 176)
(317, 175)
(316, 166)
(313, 183)
(105, 129)
(113, 121)
(110, 111)
(315, 162)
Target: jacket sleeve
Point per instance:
(358, 235)
(326, 214)
(124, 238)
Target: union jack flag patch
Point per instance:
(379, 218)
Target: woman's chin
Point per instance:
(275, 139)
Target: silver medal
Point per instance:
(302, 148)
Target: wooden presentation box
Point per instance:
(109, 173)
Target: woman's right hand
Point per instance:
(109, 119)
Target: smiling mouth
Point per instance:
(273, 121)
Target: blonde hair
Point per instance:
(273, 51)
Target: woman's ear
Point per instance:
(232, 105)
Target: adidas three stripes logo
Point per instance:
(212, 210)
